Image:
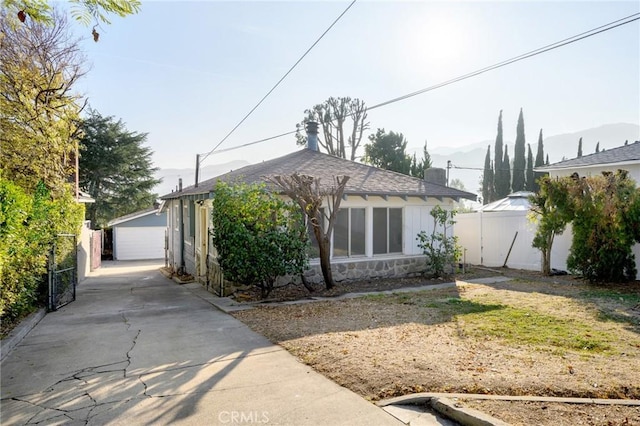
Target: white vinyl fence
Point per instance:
(489, 237)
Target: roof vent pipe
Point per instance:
(312, 135)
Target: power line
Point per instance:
(518, 58)
(253, 143)
(552, 46)
(278, 83)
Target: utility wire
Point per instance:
(278, 83)
(518, 58)
(253, 143)
(561, 43)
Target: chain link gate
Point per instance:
(63, 271)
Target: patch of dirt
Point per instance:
(519, 413)
(299, 292)
(380, 349)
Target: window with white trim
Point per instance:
(349, 232)
(387, 230)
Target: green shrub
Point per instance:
(28, 226)
(257, 235)
(442, 251)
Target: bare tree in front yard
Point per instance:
(307, 192)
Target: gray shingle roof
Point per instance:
(364, 180)
(623, 154)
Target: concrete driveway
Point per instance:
(136, 348)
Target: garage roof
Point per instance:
(133, 216)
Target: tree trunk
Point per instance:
(546, 256)
(306, 284)
(325, 263)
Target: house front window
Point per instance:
(387, 230)
(349, 233)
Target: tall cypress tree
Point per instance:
(530, 184)
(539, 163)
(501, 180)
(580, 148)
(519, 160)
(506, 169)
(488, 193)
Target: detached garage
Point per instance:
(139, 235)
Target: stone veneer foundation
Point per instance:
(367, 268)
(343, 270)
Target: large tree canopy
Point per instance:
(388, 151)
(115, 168)
(39, 109)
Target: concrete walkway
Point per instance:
(136, 348)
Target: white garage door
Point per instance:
(137, 243)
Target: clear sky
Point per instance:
(187, 72)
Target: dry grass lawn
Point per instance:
(520, 337)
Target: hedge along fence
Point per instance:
(28, 226)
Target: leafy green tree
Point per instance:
(418, 167)
(83, 11)
(388, 151)
(343, 123)
(442, 250)
(258, 236)
(605, 216)
(39, 108)
(530, 181)
(502, 177)
(519, 159)
(539, 162)
(551, 209)
(606, 226)
(580, 148)
(115, 168)
(488, 192)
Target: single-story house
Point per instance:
(139, 235)
(381, 214)
(626, 157)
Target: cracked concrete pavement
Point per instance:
(136, 348)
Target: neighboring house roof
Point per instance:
(364, 180)
(517, 201)
(623, 155)
(133, 216)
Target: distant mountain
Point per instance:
(170, 177)
(468, 161)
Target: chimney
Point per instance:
(436, 175)
(312, 135)
(179, 184)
